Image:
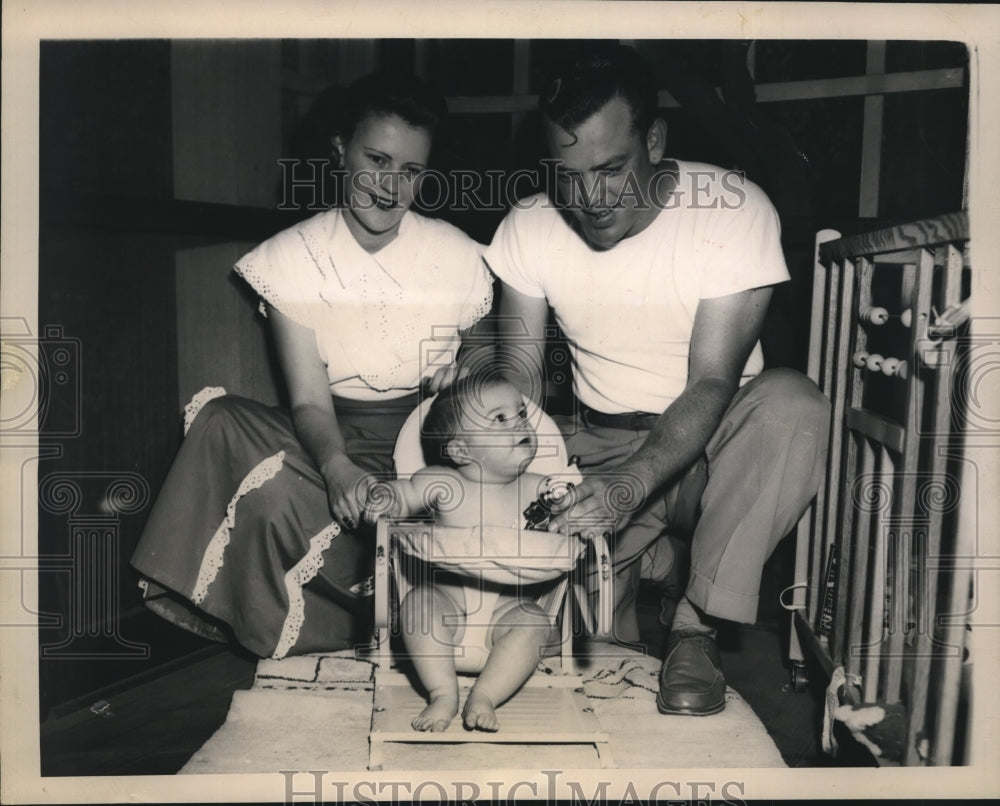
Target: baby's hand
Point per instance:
(383, 499)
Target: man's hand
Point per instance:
(600, 504)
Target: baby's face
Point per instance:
(496, 432)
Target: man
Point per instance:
(659, 273)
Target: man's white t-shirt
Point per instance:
(629, 311)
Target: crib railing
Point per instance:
(884, 602)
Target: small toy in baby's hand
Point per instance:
(538, 512)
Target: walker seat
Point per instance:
(550, 708)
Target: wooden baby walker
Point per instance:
(551, 708)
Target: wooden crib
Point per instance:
(882, 594)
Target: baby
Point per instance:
(478, 442)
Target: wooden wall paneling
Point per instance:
(110, 296)
(227, 138)
(357, 58)
(420, 57)
(520, 81)
(104, 117)
(226, 108)
(221, 337)
(108, 292)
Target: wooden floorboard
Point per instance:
(151, 729)
(157, 725)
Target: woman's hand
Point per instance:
(444, 377)
(347, 488)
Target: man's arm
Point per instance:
(521, 343)
(725, 331)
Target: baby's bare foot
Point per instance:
(437, 715)
(478, 713)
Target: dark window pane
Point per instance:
(808, 59)
(471, 66)
(465, 196)
(290, 54)
(923, 153)
(396, 55)
(902, 56)
(828, 133)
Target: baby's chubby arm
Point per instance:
(392, 499)
(401, 498)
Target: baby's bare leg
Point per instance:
(521, 637)
(429, 619)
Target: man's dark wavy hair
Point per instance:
(582, 85)
(444, 417)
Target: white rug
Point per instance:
(314, 713)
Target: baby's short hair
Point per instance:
(444, 417)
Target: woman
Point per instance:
(363, 301)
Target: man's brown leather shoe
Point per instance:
(691, 680)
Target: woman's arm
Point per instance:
(315, 419)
